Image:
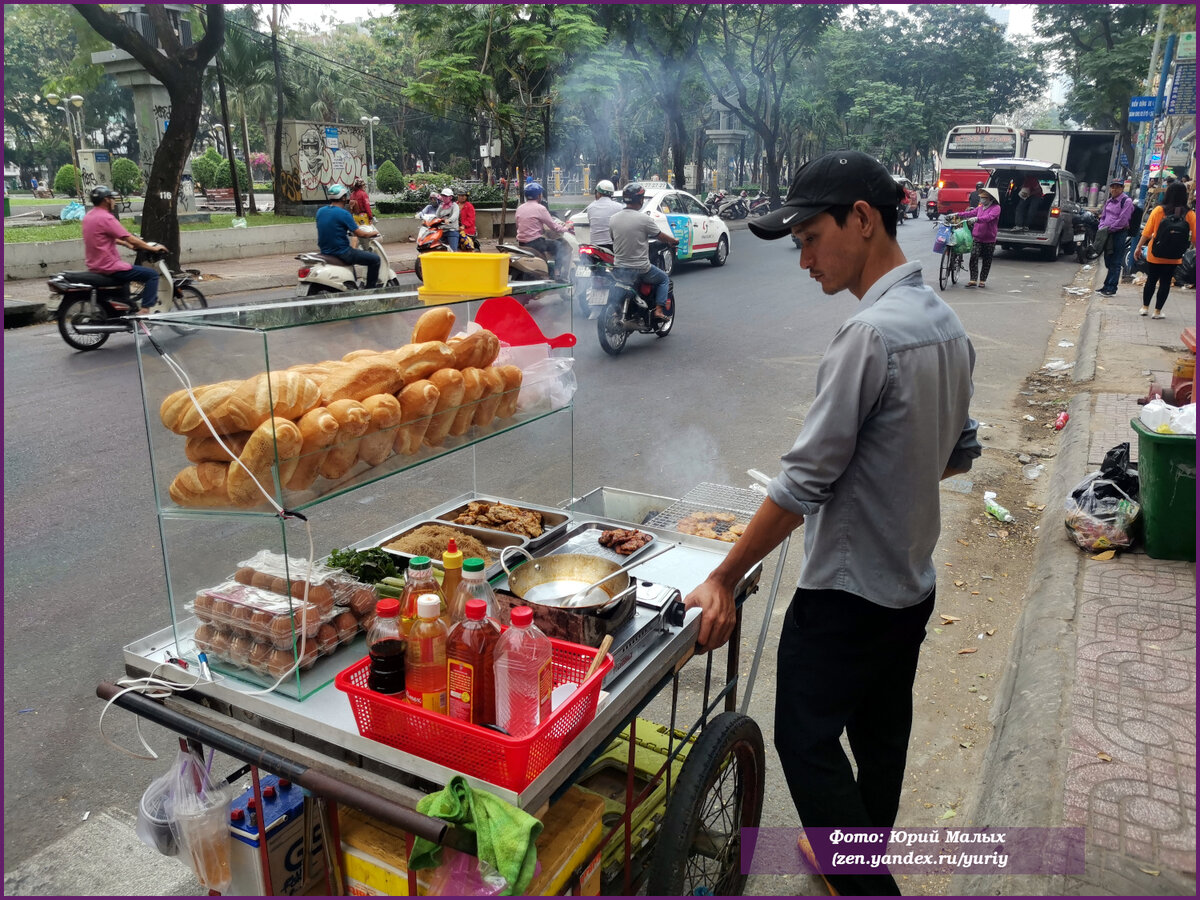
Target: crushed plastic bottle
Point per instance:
(994, 509)
(1061, 421)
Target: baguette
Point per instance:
(281, 394)
(475, 350)
(318, 372)
(201, 486)
(473, 385)
(376, 444)
(418, 361)
(206, 449)
(512, 389)
(353, 419)
(318, 430)
(181, 416)
(417, 402)
(493, 393)
(357, 380)
(449, 383)
(276, 437)
(360, 354)
(434, 325)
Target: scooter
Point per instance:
(1085, 228)
(321, 274)
(558, 266)
(630, 308)
(94, 306)
(931, 212)
(735, 207)
(760, 204)
(714, 201)
(432, 238)
(592, 279)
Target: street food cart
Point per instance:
(307, 726)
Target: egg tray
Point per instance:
(263, 615)
(243, 651)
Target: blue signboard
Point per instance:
(1183, 91)
(1141, 109)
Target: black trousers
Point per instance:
(846, 664)
(1157, 275)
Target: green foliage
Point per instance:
(204, 168)
(388, 178)
(64, 181)
(126, 176)
(224, 179)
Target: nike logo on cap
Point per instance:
(789, 218)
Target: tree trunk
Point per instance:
(246, 152)
(278, 154)
(228, 137)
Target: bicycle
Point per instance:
(953, 261)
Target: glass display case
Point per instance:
(328, 433)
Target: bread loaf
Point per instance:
(512, 388)
(473, 385)
(360, 354)
(318, 431)
(206, 449)
(417, 403)
(274, 437)
(475, 350)
(201, 486)
(489, 400)
(353, 419)
(318, 372)
(281, 394)
(417, 361)
(180, 414)
(434, 325)
(376, 444)
(449, 383)
(360, 379)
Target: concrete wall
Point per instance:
(42, 259)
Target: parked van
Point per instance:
(1040, 205)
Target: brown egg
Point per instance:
(307, 618)
(203, 607)
(262, 580)
(279, 662)
(222, 611)
(219, 643)
(203, 637)
(327, 638)
(279, 585)
(281, 632)
(260, 624)
(363, 600)
(259, 654)
(297, 589)
(346, 625)
(311, 653)
(244, 575)
(239, 650)
(240, 617)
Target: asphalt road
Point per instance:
(726, 391)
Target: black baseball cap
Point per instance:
(840, 178)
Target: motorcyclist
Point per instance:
(466, 216)
(101, 234)
(631, 235)
(533, 219)
(449, 212)
(334, 227)
(600, 211)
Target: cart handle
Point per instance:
(319, 783)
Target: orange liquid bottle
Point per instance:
(470, 651)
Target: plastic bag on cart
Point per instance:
(153, 823)
(547, 384)
(464, 875)
(198, 809)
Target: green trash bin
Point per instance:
(1167, 482)
(7, 208)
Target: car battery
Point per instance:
(285, 821)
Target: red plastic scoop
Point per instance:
(512, 323)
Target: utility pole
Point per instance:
(1149, 127)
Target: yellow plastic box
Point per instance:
(482, 274)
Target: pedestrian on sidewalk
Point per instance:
(890, 420)
(1169, 231)
(986, 225)
(1114, 219)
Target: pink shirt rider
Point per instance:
(531, 217)
(100, 232)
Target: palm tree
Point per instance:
(249, 73)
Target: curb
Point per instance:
(1089, 344)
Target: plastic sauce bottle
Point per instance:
(425, 665)
(472, 587)
(418, 580)
(385, 646)
(524, 675)
(470, 659)
(452, 564)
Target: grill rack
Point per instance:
(706, 497)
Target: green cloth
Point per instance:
(504, 835)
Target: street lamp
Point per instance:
(77, 101)
(430, 160)
(371, 122)
(220, 132)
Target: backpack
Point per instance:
(1172, 237)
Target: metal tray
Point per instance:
(554, 521)
(585, 538)
(494, 541)
(709, 497)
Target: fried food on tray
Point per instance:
(716, 526)
(625, 540)
(502, 517)
(431, 541)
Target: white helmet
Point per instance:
(605, 187)
(447, 192)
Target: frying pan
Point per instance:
(553, 580)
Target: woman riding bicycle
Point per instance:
(986, 223)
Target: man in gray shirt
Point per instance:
(889, 420)
(599, 211)
(631, 233)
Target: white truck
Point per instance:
(1091, 156)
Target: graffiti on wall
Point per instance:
(321, 155)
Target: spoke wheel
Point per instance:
(960, 265)
(944, 268)
(187, 297)
(610, 331)
(719, 792)
(77, 312)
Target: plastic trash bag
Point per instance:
(547, 384)
(153, 823)
(238, 222)
(1102, 510)
(463, 875)
(1163, 418)
(198, 810)
(72, 212)
(963, 242)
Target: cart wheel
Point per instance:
(719, 792)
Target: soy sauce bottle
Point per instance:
(386, 647)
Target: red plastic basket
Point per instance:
(509, 762)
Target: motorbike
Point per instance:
(735, 207)
(432, 238)
(321, 274)
(714, 200)
(760, 204)
(629, 307)
(592, 279)
(1085, 227)
(94, 306)
(558, 266)
(931, 212)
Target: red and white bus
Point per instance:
(964, 146)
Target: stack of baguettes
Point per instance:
(322, 419)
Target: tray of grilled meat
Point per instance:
(621, 545)
(538, 524)
(713, 511)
